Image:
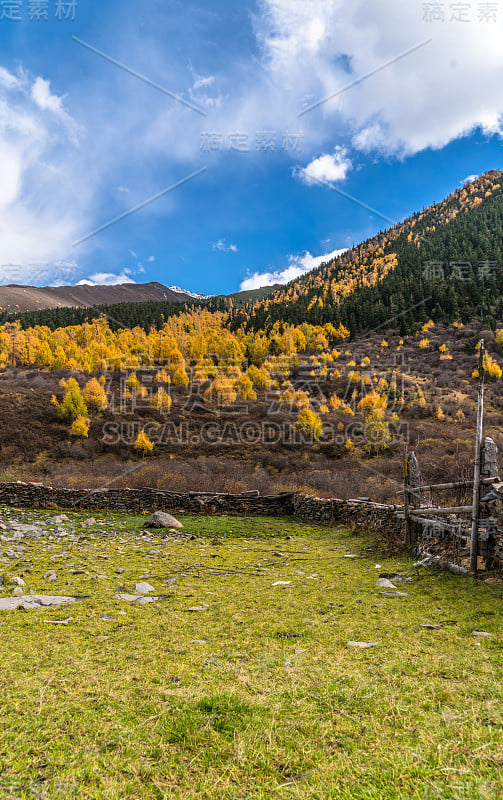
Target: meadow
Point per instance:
(242, 679)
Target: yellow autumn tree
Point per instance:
(95, 396)
(161, 400)
(143, 443)
(80, 427)
(308, 422)
(72, 405)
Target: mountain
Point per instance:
(33, 298)
(445, 263)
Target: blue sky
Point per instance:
(83, 141)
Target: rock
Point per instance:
(105, 616)
(18, 590)
(363, 644)
(88, 522)
(160, 519)
(384, 583)
(393, 594)
(50, 575)
(18, 581)
(136, 598)
(143, 588)
(430, 627)
(28, 601)
(171, 581)
(119, 570)
(481, 633)
(65, 621)
(58, 519)
(349, 555)
(198, 641)
(198, 608)
(281, 583)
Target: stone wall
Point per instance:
(353, 513)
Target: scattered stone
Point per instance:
(281, 583)
(198, 641)
(171, 581)
(349, 555)
(384, 583)
(393, 594)
(431, 627)
(136, 598)
(18, 581)
(481, 633)
(50, 575)
(160, 519)
(58, 519)
(59, 621)
(105, 616)
(119, 570)
(493, 580)
(288, 635)
(18, 590)
(143, 588)
(198, 608)
(88, 522)
(28, 601)
(363, 644)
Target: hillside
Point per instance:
(15, 298)
(445, 262)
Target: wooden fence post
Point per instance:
(476, 470)
(408, 541)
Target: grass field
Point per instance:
(257, 695)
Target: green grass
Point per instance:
(273, 703)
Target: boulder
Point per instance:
(160, 519)
(144, 588)
(33, 601)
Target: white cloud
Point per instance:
(326, 168)
(40, 210)
(7, 79)
(41, 94)
(106, 279)
(439, 92)
(224, 247)
(298, 265)
(469, 179)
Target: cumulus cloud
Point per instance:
(469, 179)
(38, 204)
(427, 97)
(327, 168)
(297, 265)
(106, 279)
(224, 247)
